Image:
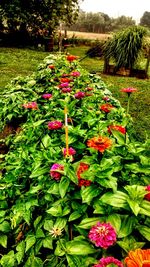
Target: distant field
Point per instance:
(88, 35)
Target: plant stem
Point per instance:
(128, 104)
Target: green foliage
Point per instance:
(46, 221)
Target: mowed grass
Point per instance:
(21, 62)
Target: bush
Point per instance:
(52, 196)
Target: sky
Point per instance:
(116, 8)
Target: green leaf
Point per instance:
(54, 189)
(33, 262)
(5, 227)
(46, 141)
(127, 225)
(145, 208)
(75, 215)
(3, 240)
(39, 171)
(55, 211)
(60, 249)
(72, 176)
(89, 193)
(134, 206)
(63, 186)
(48, 242)
(39, 233)
(118, 199)
(30, 241)
(74, 261)
(37, 221)
(79, 248)
(8, 260)
(48, 225)
(115, 221)
(89, 222)
(21, 249)
(60, 223)
(119, 136)
(144, 231)
(129, 243)
(37, 123)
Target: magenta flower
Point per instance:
(102, 235)
(75, 74)
(106, 98)
(55, 125)
(106, 261)
(129, 90)
(47, 96)
(62, 85)
(79, 95)
(56, 171)
(66, 90)
(30, 105)
(71, 151)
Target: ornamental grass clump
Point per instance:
(74, 191)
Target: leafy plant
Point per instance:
(50, 200)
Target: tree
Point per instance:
(145, 19)
(121, 23)
(37, 16)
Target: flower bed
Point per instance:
(74, 183)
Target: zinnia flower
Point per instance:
(99, 143)
(79, 95)
(55, 232)
(138, 258)
(52, 67)
(64, 80)
(106, 98)
(62, 85)
(55, 125)
(129, 90)
(30, 105)
(106, 261)
(66, 90)
(119, 128)
(56, 171)
(147, 196)
(106, 107)
(47, 96)
(82, 167)
(89, 88)
(102, 235)
(71, 58)
(75, 74)
(71, 151)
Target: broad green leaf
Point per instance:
(37, 221)
(39, 171)
(74, 261)
(35, 189)
(8, 259)
(79, 248)
(118, 199)
(48, 242)
(134, 206)
(30, 241)
(89, 222)
(75, 215)
(39, 233)
(55, 211)
(145, 208)
(3, 240)
(33, 262)
(21, 250)
(119, 136)
(63, 186)
(60, 249)
(88, 193)
(54, 189)
(129, 243)
(144, 231)
(72, 176)
(48, 225)
(5, 227)
(37, 123)
(127, 225)
(115, 221)
(46, 141)
(60, 223)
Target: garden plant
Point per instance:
(75, 184)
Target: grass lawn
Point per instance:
(15, 62)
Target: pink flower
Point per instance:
(66, 90)
(30, 105)
(56, 171)
(102, 235)
(47, 96)
(147, 196)
(55, 125)
(106, 98)
(129, 90)
(71, 151)
(79, 95)
(75, 74)
(106, 261)
(62, 85)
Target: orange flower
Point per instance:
(138, 258)
(71, 58)
(106, 107)
(99, 143)
(82, 167)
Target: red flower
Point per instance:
(56, 171)
(64, 80)
(82, 167)
(55, 125)
(79, 95)
(99, 143)
(66, 90)
(71, 58)
(52, 67)
(106, 107)
(30, 105)
(117, 128)
(147, 196)
(129, 90)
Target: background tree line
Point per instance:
(101, 23)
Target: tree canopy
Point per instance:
(145, 19)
